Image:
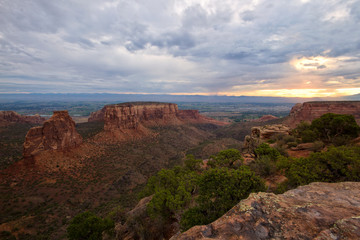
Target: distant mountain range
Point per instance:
(97, 97)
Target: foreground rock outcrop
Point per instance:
(309, 111)
(14, 117)
(316, 211)
(132, 120)
(57, 133)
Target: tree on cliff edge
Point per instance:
(336, 128)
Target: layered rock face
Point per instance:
(133, 115)
(316, 211)
(130, 120)
(309, 111)
(57, 133)
(14, 117)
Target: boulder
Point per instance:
(316, 211)
(261, 134)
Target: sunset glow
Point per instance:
(193, 47)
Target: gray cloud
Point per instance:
(164, 46)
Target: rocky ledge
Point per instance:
(316, 211)
(57, 133)
(309, 111)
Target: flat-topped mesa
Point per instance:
(14, 117)
(131, 120)
(309, 111)
(57, 133)
(133, 115)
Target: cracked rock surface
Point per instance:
(315, 211)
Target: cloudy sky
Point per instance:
(287, 48)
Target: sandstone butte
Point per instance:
(316, 211)
(14, 117)
(131, 120)
(308, 111)
(57, 133)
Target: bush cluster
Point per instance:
(211, 191)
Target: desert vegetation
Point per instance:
(190, 175)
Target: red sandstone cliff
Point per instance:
(14, 117)
(309, 111)
(57, 133)
(131, 120)
(316, 211)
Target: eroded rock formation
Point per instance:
(131, 120)
(316, 211)
(261, 134)
(14, 117)
(57, 133)
(309, 111)
(133, 115)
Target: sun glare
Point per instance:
(310, 63)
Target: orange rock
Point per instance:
(309, 111)
(57, 133)
(316, 211)
(131, 120)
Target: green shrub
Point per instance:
(264, 166)
(219, 190)
(192, 164)
(336, 165)
(265, 150)
(172, 191)
(87, 225)
(225, 158)
(292, 144)
(308, 136)
(317, 146)
(336, 127)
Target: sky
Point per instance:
(288, 48)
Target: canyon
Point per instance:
(131, 142)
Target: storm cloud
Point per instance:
(247, 47)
